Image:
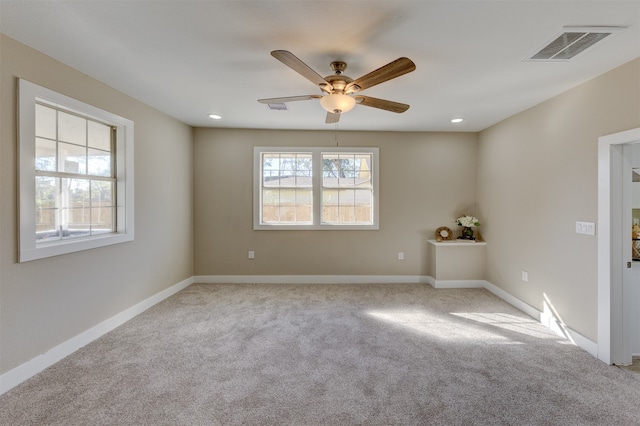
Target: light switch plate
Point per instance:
(586, 228)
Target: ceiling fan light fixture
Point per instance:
(337, 103)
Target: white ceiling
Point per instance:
(191, 58)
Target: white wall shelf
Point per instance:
(457, 243)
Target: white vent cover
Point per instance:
(571, 42)
(278, 106)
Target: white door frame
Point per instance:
(610, 261)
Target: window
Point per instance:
(315, 188)
(287, 188)
(76, 175)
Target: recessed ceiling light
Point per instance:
(457, 120)
(215, 116)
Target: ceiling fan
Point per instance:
(339, 91)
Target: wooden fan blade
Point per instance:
(332, 118)
(292, 61)
(381, 104)
(288, 99)
(392, 70)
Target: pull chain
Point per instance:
(336, 135)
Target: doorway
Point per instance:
(615, 265)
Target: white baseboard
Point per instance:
(561, 329)
(547, 319)
(310, 279)
(513, 301)
(455, 283)
(14, 377)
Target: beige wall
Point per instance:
(45, 302)
(537, 176)
(426, 181)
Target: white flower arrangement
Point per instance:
(467, 221)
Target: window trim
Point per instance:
(28, 94)
(317, 188)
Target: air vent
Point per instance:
(572, 42)
(278, 106)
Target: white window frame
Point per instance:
(28, 94)
(317, 188)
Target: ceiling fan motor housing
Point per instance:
(338, 82)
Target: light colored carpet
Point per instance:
(400, 354)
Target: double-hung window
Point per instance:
(76, 175)
(316, 188)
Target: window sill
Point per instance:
(72, 246)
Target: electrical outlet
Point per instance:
(400, 255)
(525, 276)
(252, 254)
